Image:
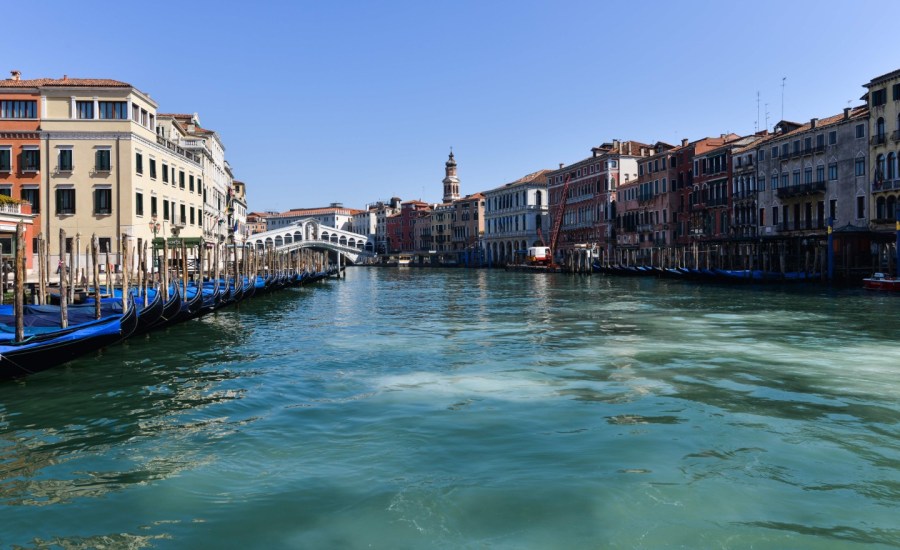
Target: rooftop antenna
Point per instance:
(756, 125)
(767, 116)
(783, 79)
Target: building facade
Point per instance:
(883, 99)
(516, 216)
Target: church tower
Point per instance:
(451, 182)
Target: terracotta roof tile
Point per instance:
(52, 82)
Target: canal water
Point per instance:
(404, 408)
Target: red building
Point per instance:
(20, 161)
(646, 209)
(401, 228)
(589, 211)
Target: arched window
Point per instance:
(891, 165)
(891, 206)
(879, 167)
(879, 129)
(879, 208)
(538, 198)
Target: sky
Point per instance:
(354, 102)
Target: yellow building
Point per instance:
(106, 171)
(883, 97)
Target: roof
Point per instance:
(65, 81)
(300, 212)
(860, 111)
(883, 78)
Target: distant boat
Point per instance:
(880, 281)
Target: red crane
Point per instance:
(558, 217)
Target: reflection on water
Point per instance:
(410, 408)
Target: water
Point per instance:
(472, 409)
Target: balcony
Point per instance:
(801, 190)
(887, 185)
(10, 208)
(644, 227)
(177, 149)
(895, 135)
(878, 139)
(698, 206)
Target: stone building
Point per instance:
(516, 216)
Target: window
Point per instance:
(139, 204)
(832, 171)
(105, 244)
(832, 137)
(820, 173)
(807, 175)
(192, 215)
(153, 169)
(65, 160)
(31, 160)
(796, 146)
(153, 210)
(796, 177)
(18, 109)
(785, 180)
(860, 130)
(103, 201)
(896, 92)
(6, 191)
(33, 196)
(65, 201)
(117, 110)
(860, 166)
(807, 143)
(165, 172)
(832, 209)
(762, 156)
(181, 179)
(860, 207)
(139, 163)
(191, 181)
(5, 160)
(775, 152)
(183, 212)
(84, 109)
(165, 209)
(775, 215)
(199, 186)
(879, 97)
(101, 160)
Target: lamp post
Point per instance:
(154, 227)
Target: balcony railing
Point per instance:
(887, 185)
(895, 135)
(11, 208)
(801, 190)
(877, 139)
(177, 149)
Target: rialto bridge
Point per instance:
(309, 233)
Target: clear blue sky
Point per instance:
(353, 102)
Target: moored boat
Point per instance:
(880, 281)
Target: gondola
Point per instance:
(42, 352)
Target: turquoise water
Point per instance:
(405, 408)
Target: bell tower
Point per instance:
(451, 182)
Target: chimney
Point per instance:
(629, 147)
(65, 77)
(813, 122)
(561, 165)
(16, 75)
(684, 142)
(615, 144)
(846, 112)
